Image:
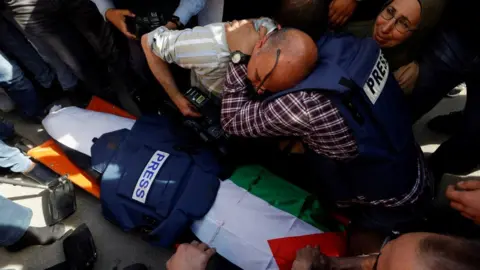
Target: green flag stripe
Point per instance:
(281, 194)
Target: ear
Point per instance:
(262, 32)
(258, 45)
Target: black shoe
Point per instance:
(42, 174)
(446, 124)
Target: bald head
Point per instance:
(297, 56)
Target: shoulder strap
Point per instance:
(325, 78)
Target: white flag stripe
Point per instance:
(240, 224)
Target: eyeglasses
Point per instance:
(402, 24)
(259, 87)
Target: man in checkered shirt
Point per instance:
(385, 204)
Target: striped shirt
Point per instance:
(202, 49)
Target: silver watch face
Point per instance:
(236, 58)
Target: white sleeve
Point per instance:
(103, 6)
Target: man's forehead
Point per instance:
(410, 9)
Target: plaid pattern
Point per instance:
(304, 114)
(308, 115)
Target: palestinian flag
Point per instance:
(259, 221)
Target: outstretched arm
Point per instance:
(159, 67)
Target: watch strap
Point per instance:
(176, 20)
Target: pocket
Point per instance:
(153, 177)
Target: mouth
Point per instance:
(380, 39)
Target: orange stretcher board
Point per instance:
(51, 155)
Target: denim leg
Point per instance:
(11, 157)
(14, 221)
(19, 88)
(14, 42)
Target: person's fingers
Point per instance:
(210, 252)
(469, 185)
(195, 243)
(124, 30)
(243, 22)
(127, 12)
(192, 113)
(335, 19)
(130, 35)
(344, 20)
(457, 206)
(468, 216)
(453, 195)
(203, 247)
(331, 9)
(234, 24)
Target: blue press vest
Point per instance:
(355, 76)
(153, 180)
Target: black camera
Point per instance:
(140, 25)
(208, 127)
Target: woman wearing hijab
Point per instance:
(401, 29)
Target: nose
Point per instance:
(388, 27)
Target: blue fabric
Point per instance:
(19, 88)
(14, 221)
(183, 190)
(188, 8)
(11, 157)
(351, 73)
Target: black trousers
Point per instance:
(451, 61)
(78, 34)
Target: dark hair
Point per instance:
(309, 16)
(449, 253)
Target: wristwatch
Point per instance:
(239, 57)
(176, 20)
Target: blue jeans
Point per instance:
(19, 88)
(14, 221)
(451, 61)
(11, 157)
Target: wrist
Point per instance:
(108, 11)
(174, 20)
(171, 25)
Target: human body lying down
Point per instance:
(249, 226)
